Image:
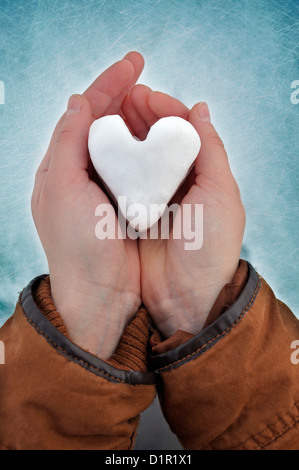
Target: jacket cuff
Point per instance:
(207, 338)
(227, 296)
(56, 396)
(127, 365)
(234, 386)
(132, 350)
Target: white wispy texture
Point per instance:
(239, 56)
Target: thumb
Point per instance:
(212, 159)
(70, 150)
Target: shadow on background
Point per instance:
(154, 432)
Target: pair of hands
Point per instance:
(97, 286)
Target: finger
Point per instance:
(149, 107)
(70, 154)
(107, 92)
(212, 159)
(108, 87)
(44, 165)
(140, 95)
(134, 121)
(163, 105)
(153, 106)
(137, 61)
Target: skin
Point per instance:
(97, 286)
(179, 287)
(94, 285)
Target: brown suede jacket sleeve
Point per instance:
(227, 296)
(234, 386)
(55, 395)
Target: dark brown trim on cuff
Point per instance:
(70, 350)
(207, 338)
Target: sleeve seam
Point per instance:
(220, 335)
(275, 436)
(76, 359)
(284, 431)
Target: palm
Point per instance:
(167, 268)
(82, 192)
(168, 271)
(106, 96)
(121, 255)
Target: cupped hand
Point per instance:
(95, 284)
(179, 286)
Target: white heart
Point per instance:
(145, 172)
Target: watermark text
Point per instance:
(2, 353)
(178, 222)
(295, 354)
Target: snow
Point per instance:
(241, 57)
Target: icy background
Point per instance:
(239, 56)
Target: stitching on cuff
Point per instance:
(126, 377)
(275, 436)
(219, 335)
(59, 348)
(284, 431)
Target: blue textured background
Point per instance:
(239, 56)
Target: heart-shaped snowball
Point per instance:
(147, 172)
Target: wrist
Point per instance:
(188, 308)
(95, 316)
(183, 313)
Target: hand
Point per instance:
(179, 287)
(95, 285)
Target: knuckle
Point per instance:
(217, 142)
(213, 137)
(64, 135)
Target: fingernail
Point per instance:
(203, 112)
(74, 105)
